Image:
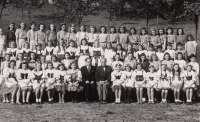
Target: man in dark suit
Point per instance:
(103, 78)
(88, 79)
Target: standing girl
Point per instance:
(189, 83)
(82, 34)
(120, 51)
(152, 83)
(163, 38)
(180, 38)
(139, 76)
(123, 37)
(171, 38)
(31, 36)
(21, 35)
(167, 60)
(66, 61)
(154, 62)
(2, 45)
(62, 34)
(113, 36)
(60, 49)
(190, 45)
(177, 82)
(103, 37)
(24, 81)
(154, 39)
(144, 62)
(117, 82)
(49, 51)
(144, 37)
(165, 78)
(71, 35)
(133, 38)
(92, 36)
(20, 59)
(61, 82)
(10, 34)
(51, 35)
(128, 84)
(40, 35)
(50, 75)
(38, 82)
(74, 79)
(180, 61)
(195, 67)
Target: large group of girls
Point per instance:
(42, 60)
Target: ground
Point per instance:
(94, 112)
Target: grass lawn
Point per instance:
(94, 112)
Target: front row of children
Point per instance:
(162, 80)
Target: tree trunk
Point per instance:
(157, 21)
(197, 24)
(29, 12)
(22, 14)
(2, 7)
(147, 20)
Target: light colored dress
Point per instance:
(114, 63)
(128, 79)
(163, 40)
(24, 78)
(60, 51)
(123, 40)
(40, 38)
(80, 36)
(144, 40)
(48, 52)
(195, 67)
(66, 62)
(151, 80)
(61, 78)
(169, 64)
(50, 76)
(113, 38)
(134, 40)
(92, 37)
(62, 35)
(171, 53)
(164, 76)
(83, 53)
(155, 40)
(189, 80)
(38, 79)
(116, 79)
(172, 40)
(72, 51)
(160, 55)
(182, 64)
(139, 77)
(2, 45)
(31, 37)
(109, 55)
(191, 47)
(177, 82)
(51, 36)
(102, 37)
(73, 78)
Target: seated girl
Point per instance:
(49, 51)
(60, 49)
(32, 61)
(109, 53)
(117, 82)
(12, 50)
(72, 50)
(96, 53)
(67, 60)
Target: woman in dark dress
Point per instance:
(10, 34)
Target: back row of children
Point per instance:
(126, 49)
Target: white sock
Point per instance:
(39, 100)
(49, 99)
(36, 100)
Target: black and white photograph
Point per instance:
(99, 60)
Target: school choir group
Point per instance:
(97, 63)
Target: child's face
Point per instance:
(189, 68)
(38, 66)
(112, 30)
(169, 47)
(150, 48)
(49, 44)
(61, 42)
(169, 31)
(41, 27)
(189, 38)
(53, 59)
(129, 47)
(50, 66)
(139, 47)
(151, 69)
(139, 67)
(153, 32)
(71, 44)
(161, 32)
(163, 67)
(132, 31)
(117, 57)
(26, 46)
(11, 26)
(82, 28)
(154, 58)
(84, 42)
(22, 25)
(179, 47)
(12, 64)
(192, 59)
(33, 27)
(63, 27)
(67, 56)
(118, 68)
(96, 44)
(166, 57)
(130, 56)
(159, 49)
(39, 48)
(128, 69)
(103, 30)
(12, 45)
(32, 56)
(176, 67)
(24, 66)
(179, 56)
(180, 31)
(119, 48)
(108, 46)
(92, 30)
(143, 32)
(7, 58)
(122, 30)
(61, 67)
(73, 66)
(42, 59)
(72, 29)
(143, 58)
(20, 56)
(52, 27)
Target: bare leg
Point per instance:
(24, 96)
(141, 93)
(37, 94)
(41, 94)
(28, 96)
(138, 94)
(178, 94)
(120, 93)
(175, 95)
(13, 95)
(149, 94)
(191, 94)
(187, 94)
(116, 98)
(18, 95)
(49, 94)
(63, 97)
(163, 94)
(166, 94)
(152, 94)
(59, 94)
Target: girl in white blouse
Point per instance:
(139, 77)
(31, 36)
(189, 83)
(103, 36)
(92, 36)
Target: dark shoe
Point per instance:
(86, 100)
(101, 102)
(104, 102)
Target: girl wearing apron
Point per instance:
(49, 51)
(12, 51)
(96, 53)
